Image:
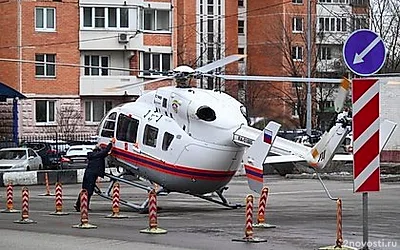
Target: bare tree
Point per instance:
(385, 20)
(68, 119)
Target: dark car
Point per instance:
(76, 156)
(50, 156)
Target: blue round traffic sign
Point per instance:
(364, 52)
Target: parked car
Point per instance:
(76, 156)
(19, 159)
(49, 155)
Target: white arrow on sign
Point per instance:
(359, 58)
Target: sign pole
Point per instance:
(365, 220)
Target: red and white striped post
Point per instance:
(25, 208)
(115, 203)
(248, 232)
(153, 226)
(366, 142)
(10, 205)
(46, 180)
(58, 201)
(84, 212)
(262, 204)
(366, 124)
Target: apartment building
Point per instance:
(104, 37)
(335, 21)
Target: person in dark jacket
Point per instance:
(96, 167)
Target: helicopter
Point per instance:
(192, 141)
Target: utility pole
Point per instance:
(309, 112)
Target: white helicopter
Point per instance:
(192, 141)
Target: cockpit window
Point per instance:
(206, 113)
(150, 136)
(109, 125)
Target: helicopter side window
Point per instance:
(109, 126)
(167, 141)
(150, 136)
(127, 128)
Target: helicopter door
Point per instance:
(127, 128)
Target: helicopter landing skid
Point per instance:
(223, 201)
(114, 178)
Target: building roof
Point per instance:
(8, 92)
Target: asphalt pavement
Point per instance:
(304, 216)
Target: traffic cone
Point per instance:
(153, 227)
(262, 204)
(25, 208)
(58, 201)
(84, 212)
(248, 237)
(115, 204)
(10, 205)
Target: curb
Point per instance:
(72, 176)
(337, 177)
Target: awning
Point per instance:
(8, 92)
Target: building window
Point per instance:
(101, 17)
(297, 85)
(45, 111)
(325, 53)
(95, 110)
(297, 1)
(297, 53)
(332, 24)
(240, 3)
(45, 19)
(156, 20)
(297, 26)
(241, 27)
(45, 69)
(156, 61)
(94, 62)
(360, 23)
(295, 112)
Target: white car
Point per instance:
(19, 159)
(76, 156)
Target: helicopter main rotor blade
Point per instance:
(220, 63)
(338, 102)
(278, 78)
(132, 85)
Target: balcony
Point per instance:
(103, 86)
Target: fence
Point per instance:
(58, 141)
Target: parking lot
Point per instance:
(304, 216)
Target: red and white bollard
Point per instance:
(10, 205)
(339, 233)
(115, 203)
(58, 201)
(248, 232)
(84, 212)
(262, 204)
(46, 180)
(153, 226)
(25, 208)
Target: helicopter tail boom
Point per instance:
(256, 154)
